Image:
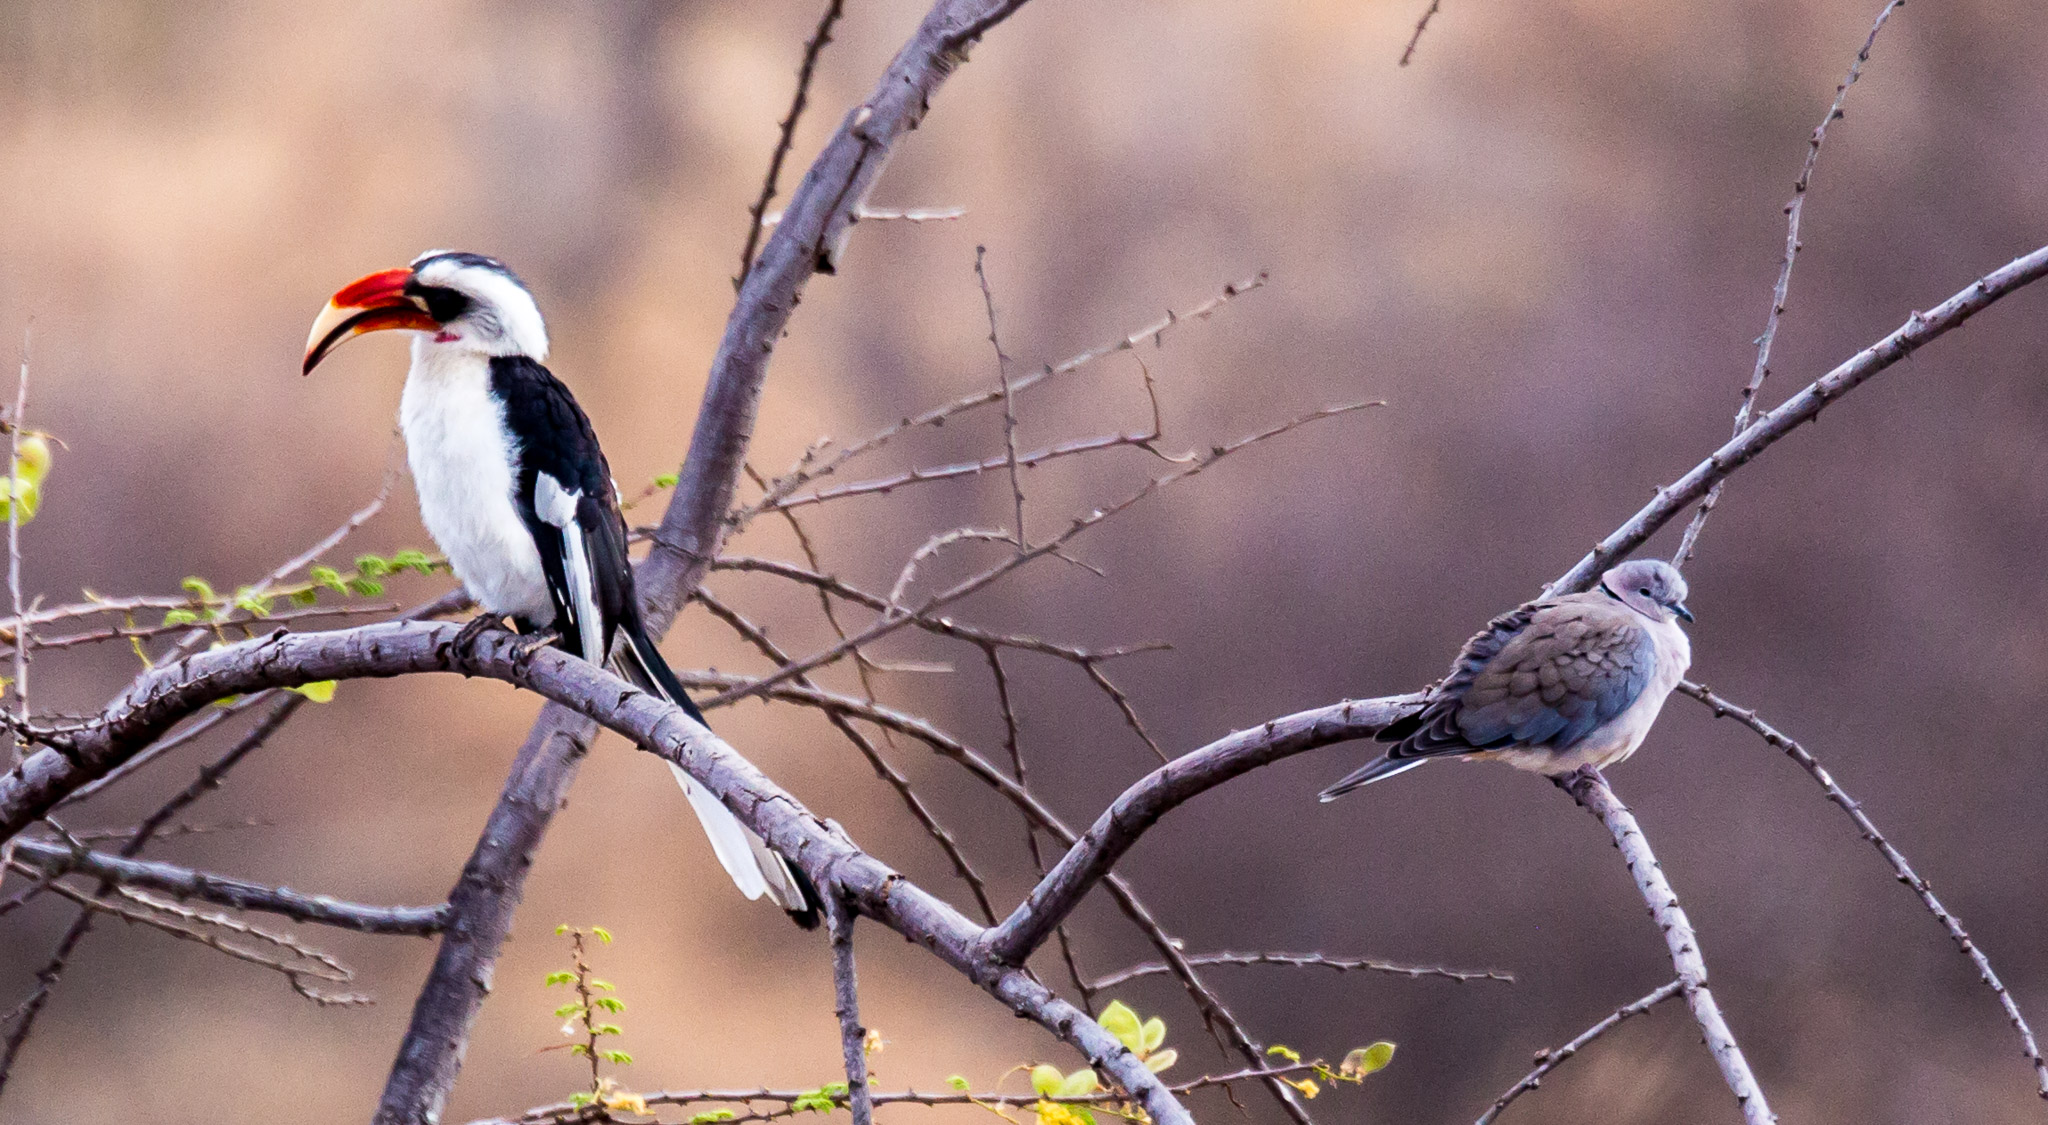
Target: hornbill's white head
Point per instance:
(464, 301)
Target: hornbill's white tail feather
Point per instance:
(755, 868)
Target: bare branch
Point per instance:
(189, 925)
(565, 1113)
(1167, 788)
(1722, 708)
(1919, 329)
(988, 301)
(787, 137)
(1590, 790)
(867, 214)
(891, 621)
(939, 415)
(1303, 961)
(1547, 1061)
(853, 1038)
(1421, 25)
(54, 858)
(1783, 288)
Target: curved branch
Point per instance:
(1911, 879)
(1165, 789)
(1547, 1061)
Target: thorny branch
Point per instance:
(1590, 790)
(1547, 1061)
(1722, 708)
(1780, 291)
(1303, 961)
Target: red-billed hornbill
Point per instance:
(514, 489)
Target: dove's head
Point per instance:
(1651, 587)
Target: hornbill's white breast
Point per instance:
(463, 460)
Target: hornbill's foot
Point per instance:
(479, 625)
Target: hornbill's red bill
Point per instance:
(514, 489)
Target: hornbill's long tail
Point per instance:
(755, 867)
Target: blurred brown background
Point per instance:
(1548, 243)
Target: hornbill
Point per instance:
(514, 489)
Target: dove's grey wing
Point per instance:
(1547, 675)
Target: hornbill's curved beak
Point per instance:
(367, 304)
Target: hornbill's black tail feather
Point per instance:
(755, 867)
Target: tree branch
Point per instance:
(1919, 329)
(853, 1038)
(1547, 1061)
(1590, 790)
(1722, 708)
(1301, 961)
(54, 858)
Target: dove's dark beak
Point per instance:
(1681, 611)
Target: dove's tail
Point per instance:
(1372, 771)
(755, 867)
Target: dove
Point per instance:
(1560, 683)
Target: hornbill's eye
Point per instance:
(443, 304)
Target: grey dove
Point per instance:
(1559, 683)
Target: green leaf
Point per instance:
(1160, 1060)
(604, 984)
(199, 589)
(568, 1010)
(319, 691)
(603, 934)
(1153, 1033)
(307, 596)
(561, 929)
(1078, 1084)
(1120, 1021)
(1367, 1060)
(582, 1098)
(609, 1003)
(181, 617)
(327, 576)
(579, 1049)
(667, 480)
(711, 1116)
(367, 587)
(607, 1029)
(958, 1082)
(1046, 1080)
(414, 560)
(375, 566)
(620, 1058)
(554, 979)
(1280, 1052)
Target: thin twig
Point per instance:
(866, 214)
(1780, 291)
(1723, 708)
(939, 415)
(891, 621)
(54, 858)
(1590, 790)
(988, 301)
(787, 137)
(1421, 25)
(565, 1113)
(188, 925)
(1304, 961)
(1547, 1061)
